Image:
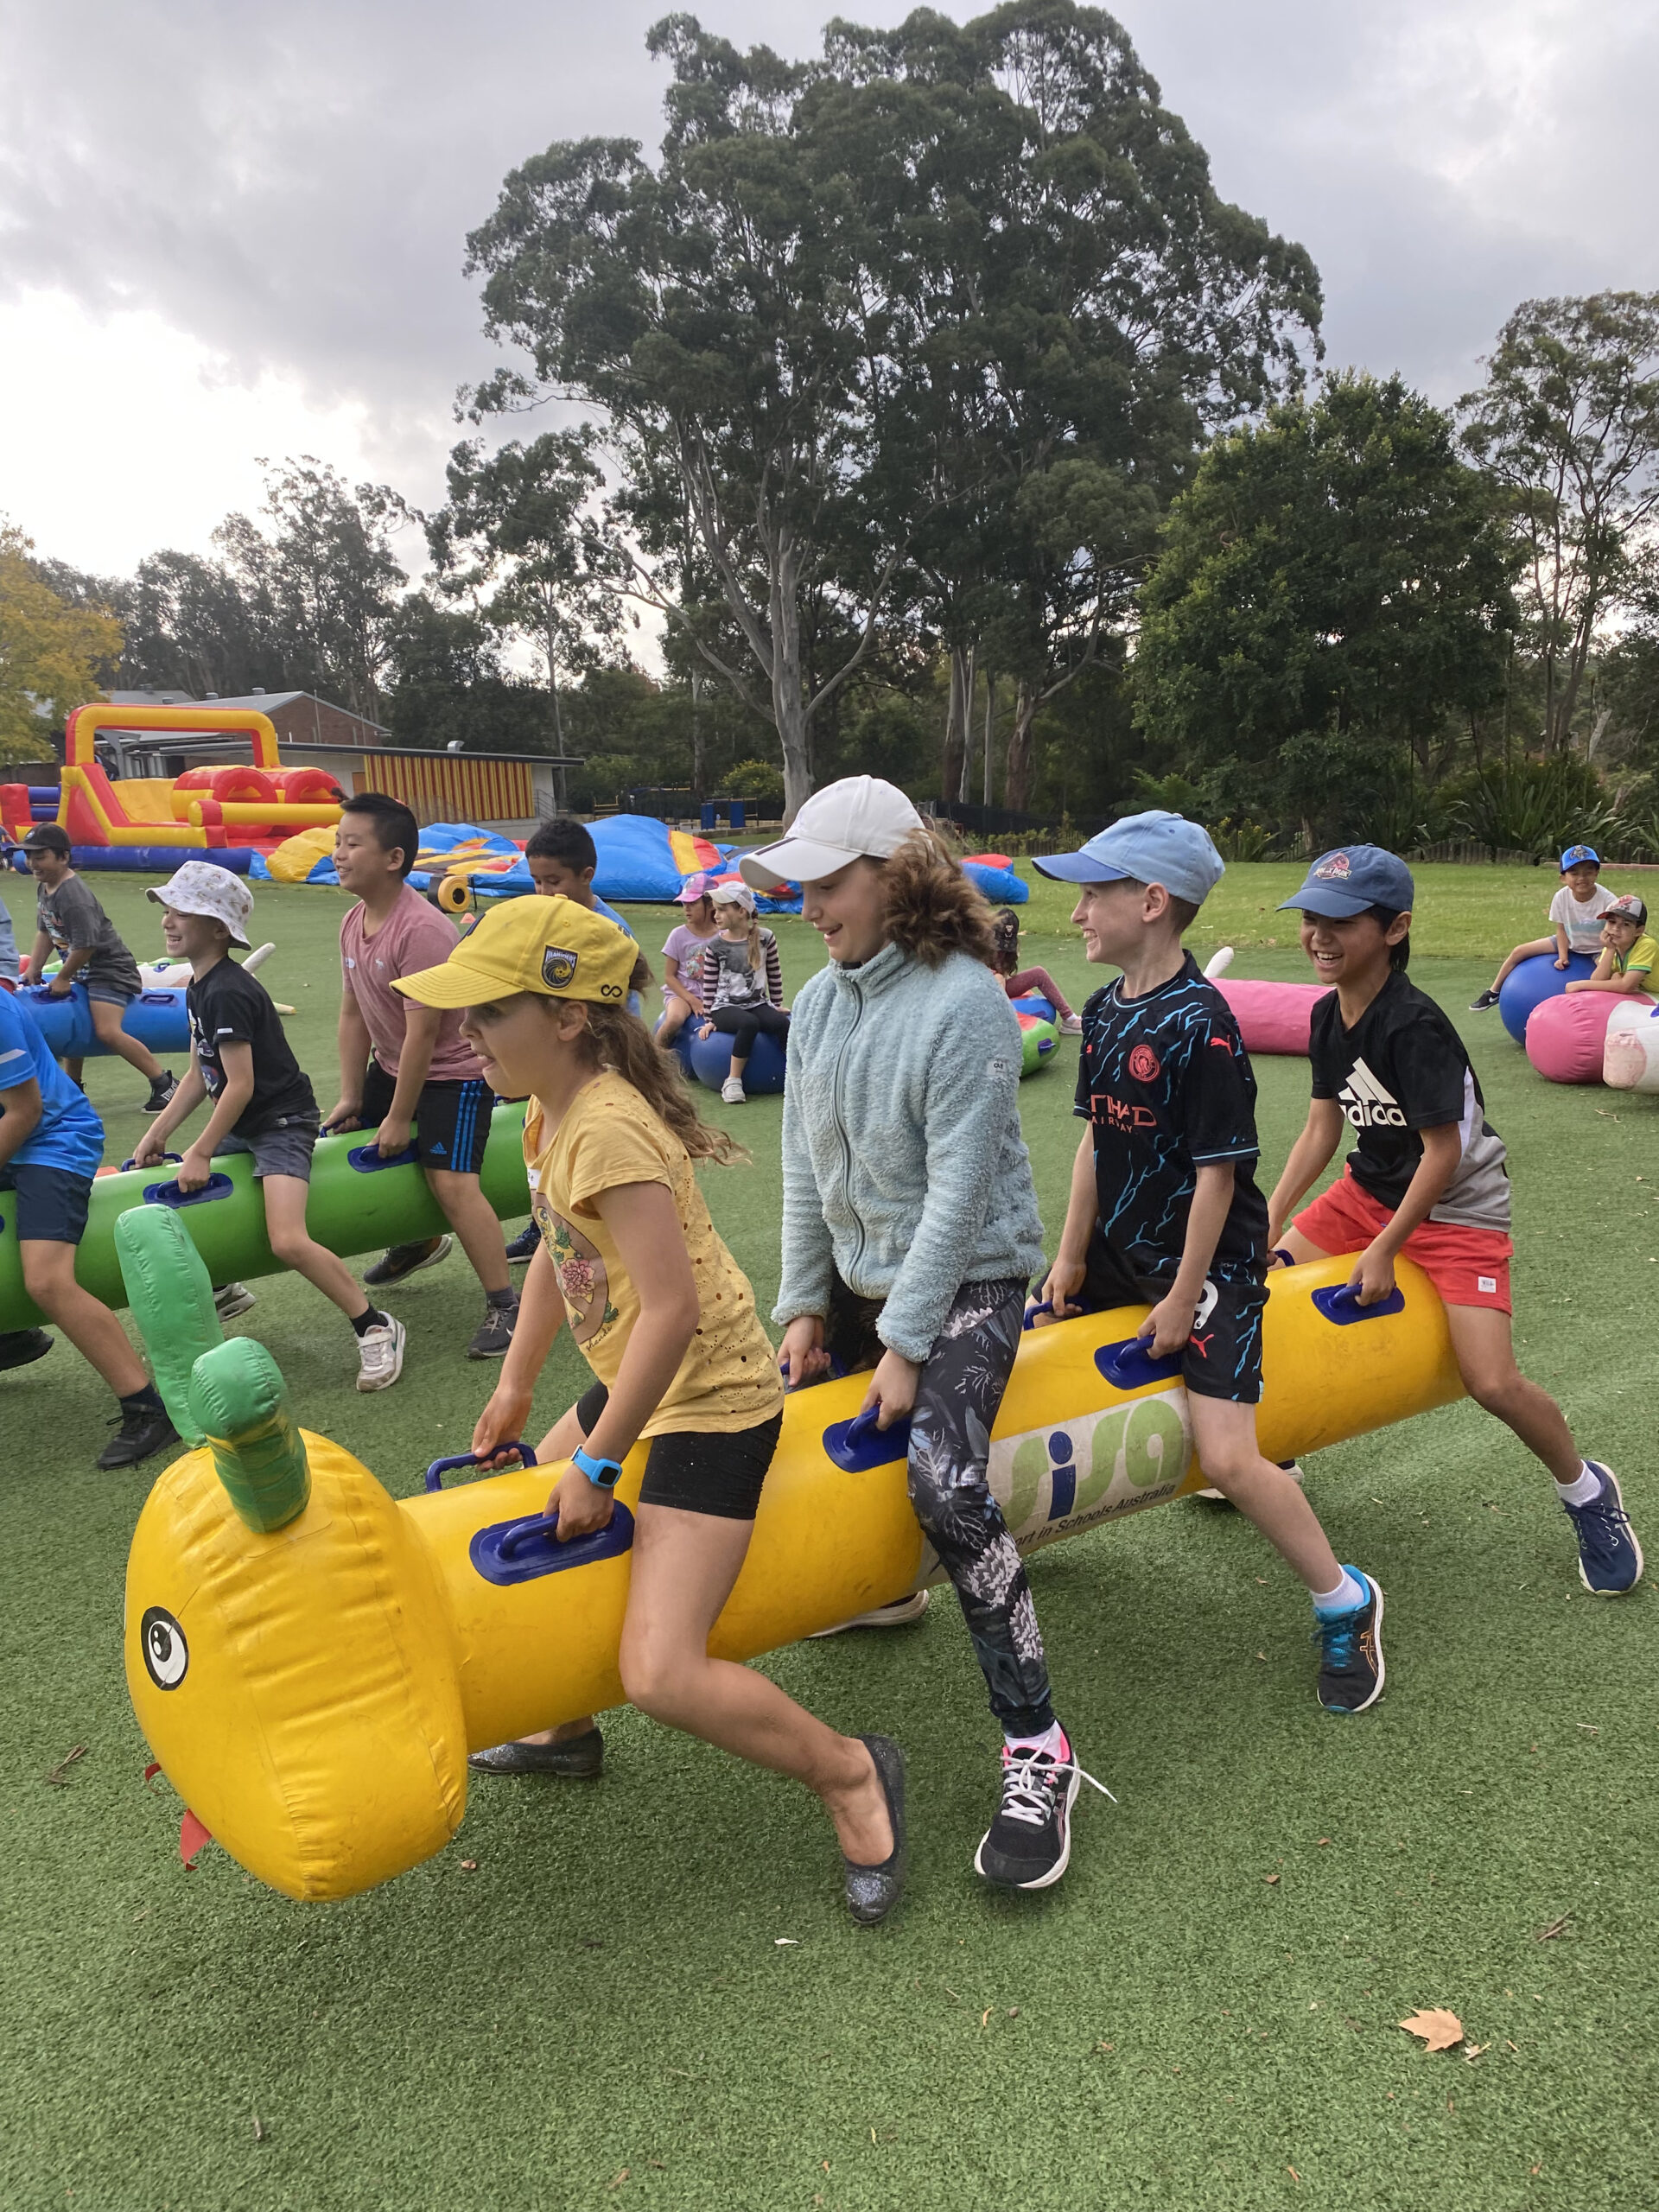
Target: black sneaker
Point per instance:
(19, 1346)
(406, 1259)
(160, 1090)
(1480, 1005)
(493, 1337)
(576, 1758)
(142, 1430)
(522, 1246)
(1351, 1672)
(1029, 1845)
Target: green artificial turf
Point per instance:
(601, 2009)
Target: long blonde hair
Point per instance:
(622, 1042)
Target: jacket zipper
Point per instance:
(836, 1095)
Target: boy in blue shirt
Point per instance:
(1164, 1204)
(51, 1145)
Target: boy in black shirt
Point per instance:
(1426, 1176)
(263, 1100)
(1164, 1203)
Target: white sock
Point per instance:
(1053, 1740)
(1580, 1492)
(1348, 1596)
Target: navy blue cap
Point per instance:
(1156, 847)
(1580, 856)
(1345, 882)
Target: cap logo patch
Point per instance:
(1337, 864)
(558, 968)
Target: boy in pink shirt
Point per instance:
(406, 1069)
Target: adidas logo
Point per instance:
(1366, 1103)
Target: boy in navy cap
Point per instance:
(1575, 914)
(1428, 1175)
(1163, 1202)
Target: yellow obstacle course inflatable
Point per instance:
(311, 1662)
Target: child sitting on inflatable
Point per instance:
(682, 958)
(1019, 983)
(262, 1102)
(70, 919)
(1165, 1206)
(1426, 1176)
(666, 1320)
(1576, 910)
(741, 982)
(1628, 955)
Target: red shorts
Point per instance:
(1468, 1267)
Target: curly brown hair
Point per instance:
(932, 908)
(622, 1042)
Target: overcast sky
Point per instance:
(228, 230)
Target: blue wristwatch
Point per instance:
(602, 1472)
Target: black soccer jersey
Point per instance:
(1165, 1082)
(1401, 1068)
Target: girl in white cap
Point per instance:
(910, 1231)
(742, 983)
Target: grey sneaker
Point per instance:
(494, 1333)
(900, 1614)
(405, 1259)
(380, 1356)
(231, 1298)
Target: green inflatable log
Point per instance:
(356, 1205)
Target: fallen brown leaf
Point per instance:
(1548, 1935)
(470, 1866)
(1438, 2029)
(59, 1776)
(1106, 2046)
(1270, 1879)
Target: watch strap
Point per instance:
(602, 1472)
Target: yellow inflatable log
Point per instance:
(312, 1690)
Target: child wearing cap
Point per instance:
(911, 1232)
(405, 1070)
(741, 981)
(51, 1144)
(666, 1320)
(1576, 911)
(262, 1102)
(1165, 1206)
(1628, 955)
(682, 956)
(70, 920)
(1427, 1174)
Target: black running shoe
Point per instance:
(406, 1259)
(160, 1091)
(142, 1431)
(574, 1757)
(1029, 1845)
(522, 1246)
(1351, 1672)
(19, 1346)
(1480, 1005)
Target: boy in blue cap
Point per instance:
(1165, 1206)
(1426, 1176)
(1575, 915)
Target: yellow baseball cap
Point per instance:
(531, 943)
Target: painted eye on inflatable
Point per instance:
(165, 1654)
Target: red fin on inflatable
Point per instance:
(191, 1836)
(152, 1770)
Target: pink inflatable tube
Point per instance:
(1272, 1017)
(1566, 1036)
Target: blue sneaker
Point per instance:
(1351, 1672)
(1610, 1558)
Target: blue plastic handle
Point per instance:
(367, 1158)
(127, 1164)
(169, 1194)
(1130, 1366)
(858, 1444)
(1031, 1312)
(1342, 1305)
(440, 1468)
(521, 1551)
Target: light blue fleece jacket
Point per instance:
(903, 1168)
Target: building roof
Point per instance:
(260, 702)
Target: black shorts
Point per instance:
(452, 1120)
(1222, 1357)
(51, 1203)
(718, 1471)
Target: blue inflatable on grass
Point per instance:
(1532, 982)
(157, 1018)
(711, 1062)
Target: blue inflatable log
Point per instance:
(711, 1062)
(1531, 983)
(157, 1018)
(159, 859)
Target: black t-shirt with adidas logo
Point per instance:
(1401, 1068)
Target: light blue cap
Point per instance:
(1156, 846)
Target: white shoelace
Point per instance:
(1027, 1785)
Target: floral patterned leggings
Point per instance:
(962, 1384)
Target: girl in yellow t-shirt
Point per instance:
(666, 1319)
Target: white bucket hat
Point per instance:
(199, 887)
(859, 818)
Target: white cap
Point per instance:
(199, 887)
(733, 894)
(859, 818)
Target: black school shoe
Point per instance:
(872, 1891)
(1351, 1669)
(143, 1429)
(19, 1346)
(578, 1758)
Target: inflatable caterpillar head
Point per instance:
(286, 1650)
